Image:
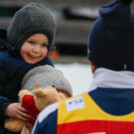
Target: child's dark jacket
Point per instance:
(12, 70)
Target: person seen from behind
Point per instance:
(108, 108)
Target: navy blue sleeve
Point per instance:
(48, 125)
(37, 128)
(4, 102)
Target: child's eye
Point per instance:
(44, 45)
(31, 42)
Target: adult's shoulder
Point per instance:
(51, 109)
(46, 119)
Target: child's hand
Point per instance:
(15, 110)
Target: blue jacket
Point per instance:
(12, 70)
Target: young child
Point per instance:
(23, 46)
(43, 77)
(108, 107)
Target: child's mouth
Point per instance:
(32, 56)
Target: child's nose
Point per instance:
(37, 49)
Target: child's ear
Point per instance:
(93, 67)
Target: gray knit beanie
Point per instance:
(45, 76)
(31, 19)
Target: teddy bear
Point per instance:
(34, 103)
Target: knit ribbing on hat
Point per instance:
(45, 76)
(31, 19)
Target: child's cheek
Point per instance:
(26, 48)
(44, 53)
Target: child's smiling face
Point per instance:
(35, 48)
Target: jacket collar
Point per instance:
(105, 78)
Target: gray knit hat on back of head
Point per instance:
(45, 76)
(31, 19)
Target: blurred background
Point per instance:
(74, 20)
